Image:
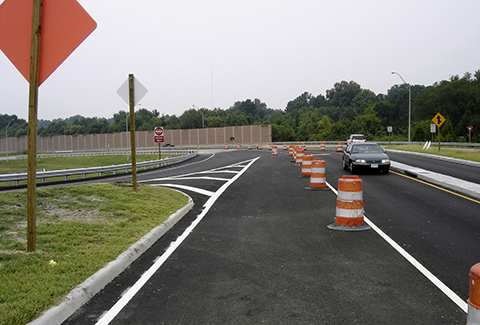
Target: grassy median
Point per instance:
(467, 154)
(79, 230)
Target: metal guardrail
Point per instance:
(42, 175)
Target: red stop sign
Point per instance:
(158, 131)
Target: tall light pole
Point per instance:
(6, 140)
(409, 103)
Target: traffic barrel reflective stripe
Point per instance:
(322, 146)
(299, 157)
(473, 317)
(340, 146)
(349, 214)
(274, 151)
(307, 164)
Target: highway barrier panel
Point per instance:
(307, 165)
(318, 180)
(473, 317)
(349, 214)
(340, 147)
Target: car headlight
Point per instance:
(360, 161)
(385, 161)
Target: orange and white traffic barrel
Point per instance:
(340, 146)
(271, 146)
(294, 153)
(249, 146)
(285, 147)
(349, 214)
(290, 150)
(274, 151)
(226, 145)
(307, 164)
(322, 146)
(318, 176)
(473, 317)
(259, 146)
(304, 146)
(239, 146)
(299, 156)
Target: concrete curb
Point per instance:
(458, 185)
(450, 159)
(86, 290)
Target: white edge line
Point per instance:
(429, 275)
(189, 188)
(113, 312)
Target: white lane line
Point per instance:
(193, 177)
(429, 275)
(113, 312)
(189, 188)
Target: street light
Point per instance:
(409, 103)
(6, 140)
(203, 119)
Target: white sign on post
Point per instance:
(138, 91)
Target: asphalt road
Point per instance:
(263, 253)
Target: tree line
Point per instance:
(345, 109)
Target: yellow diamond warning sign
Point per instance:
(439, 119)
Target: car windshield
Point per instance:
(366, 148)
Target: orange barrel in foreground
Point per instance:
(473, 317)
(307, 164)
(349, 214)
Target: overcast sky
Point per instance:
(212, 53)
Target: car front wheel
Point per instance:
(351, 168)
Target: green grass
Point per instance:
(467, 154)
(80, 228)
(57, 163)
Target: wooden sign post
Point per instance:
(131, 96)
(32, 126)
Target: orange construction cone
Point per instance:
(274, 151)
(307, 165)
(299, 157)
(349, 214)
(340, 147)
(317, 177)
